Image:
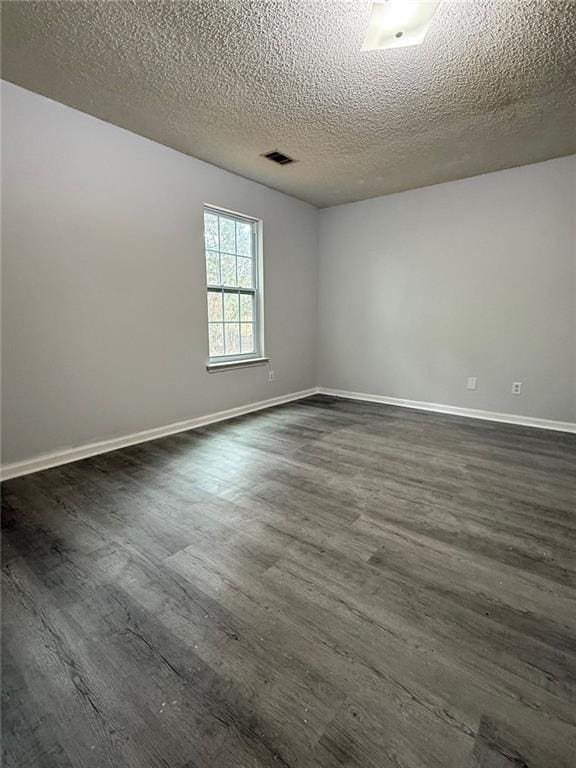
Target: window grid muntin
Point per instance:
(229, 289)
(237, 322)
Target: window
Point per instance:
(232, 273)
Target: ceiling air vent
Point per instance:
(278, 157)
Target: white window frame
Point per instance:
(223, 362)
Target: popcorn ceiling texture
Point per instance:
(493, 85)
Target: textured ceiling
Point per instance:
(492, 86)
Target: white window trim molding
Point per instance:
(240, 363)
(259, 357)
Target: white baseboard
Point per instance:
(470, 413)
(69, 455)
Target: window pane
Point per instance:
(212, 268)
(216, 339)
(231, 309)
(246, 307)
(247, 337)
(211, 230)
(232, 338)
(243, 238)
(214, 306)
(228, 269)
(227, 235)
(244, 272)
(232, 277)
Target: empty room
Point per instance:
(288, 426)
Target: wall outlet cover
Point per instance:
(517, 388)
(472, 382)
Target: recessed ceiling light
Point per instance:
(398, 23)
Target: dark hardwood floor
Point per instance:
(328, 583)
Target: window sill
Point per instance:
(232, 364)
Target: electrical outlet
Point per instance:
(472, 382)
(271, 376)
(517, 388)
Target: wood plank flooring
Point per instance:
(327, 583)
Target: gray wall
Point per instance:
(104, 311)
(104, 304)
(422, 289)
